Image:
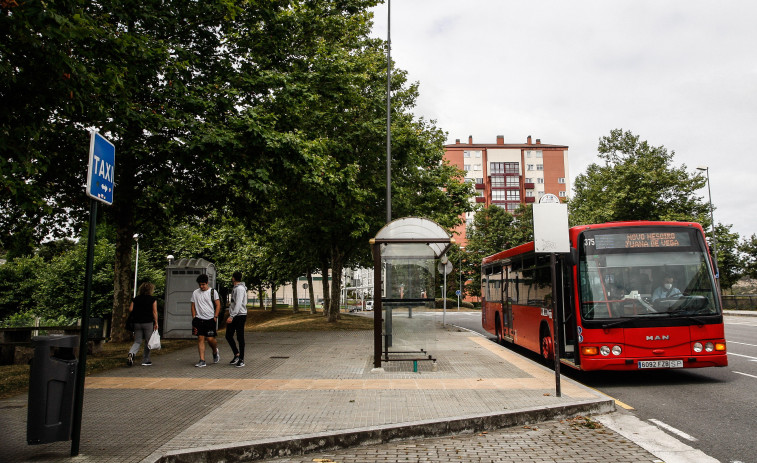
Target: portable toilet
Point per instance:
(181, 281)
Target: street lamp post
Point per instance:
(706, 169)
(460, 273)
(136, 263)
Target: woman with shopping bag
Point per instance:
(144, 309)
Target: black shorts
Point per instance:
(205, 328)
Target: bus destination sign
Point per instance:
(636, 240)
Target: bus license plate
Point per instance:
(660, 364)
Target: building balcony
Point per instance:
(480, 199)
(529, 186)
(530, 199)
(480, 186)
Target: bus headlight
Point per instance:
(709, 347)
(604, 350)
(697, 347)
(616, 350)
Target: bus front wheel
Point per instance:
(547, 346)
(498, 330)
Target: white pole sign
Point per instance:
(101, 171)
(551, 228)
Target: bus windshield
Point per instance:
(621, 281)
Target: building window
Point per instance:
(466, 167)
(562, 194)
(498, 181)
(512, 181)
(478, 154)
(529, 180)
(476, 166)
(529, 193)
(539, 166)
(540, 180)
(498, 195)
(513, 195)
(511, 207)
(479, 180)
(512, 168)
(561, 180)
(496, 167)
(538, 154)
(530, 167)
(529, 153)
(466, 154)
(479, 192)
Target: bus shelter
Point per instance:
(405, 253)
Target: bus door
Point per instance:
(507, 303)
(567, 314)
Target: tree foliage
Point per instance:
(636, 181)
(494, 230)
(749, 249)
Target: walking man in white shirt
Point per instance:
(237, 319)
(205, 310)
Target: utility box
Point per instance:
(52, 381)
(181, 281)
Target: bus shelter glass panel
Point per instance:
(408, 294)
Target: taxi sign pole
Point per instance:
(83, 334)
(100, 176)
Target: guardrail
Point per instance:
(746, 302)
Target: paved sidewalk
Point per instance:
(318, 391)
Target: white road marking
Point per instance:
(745, 374)
(740, 355)
(741, 343)
(675, 431)
(660, 444)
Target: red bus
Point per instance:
(629, 296)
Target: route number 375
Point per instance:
(588, 241)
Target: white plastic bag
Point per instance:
(154, 342)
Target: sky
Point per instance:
(678, 73)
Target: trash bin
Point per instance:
(52, 381)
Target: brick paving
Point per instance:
(309, 390)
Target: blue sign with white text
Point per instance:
(101, 172)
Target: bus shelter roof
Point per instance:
(415, 230)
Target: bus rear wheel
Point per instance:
(547, 347)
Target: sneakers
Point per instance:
(217, 356)
(146, 363)
(240, 364)
(130, 359)
(234, 360)
(201, 364)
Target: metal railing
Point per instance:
(747, 302)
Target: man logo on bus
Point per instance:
(658, 338)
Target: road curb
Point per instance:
(263, 449)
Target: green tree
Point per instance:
(494, 230)
(19, 278)
(636, 181)
(748, 247)
(729, 260)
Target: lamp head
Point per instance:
(703, 168)
(136, 236)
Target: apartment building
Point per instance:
(510, 174)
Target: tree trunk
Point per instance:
(311, 290)
(295, 305)
(274, 288)
(261, 296)
(337, 262)
(325, 281)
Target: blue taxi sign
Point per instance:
(101, 171)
